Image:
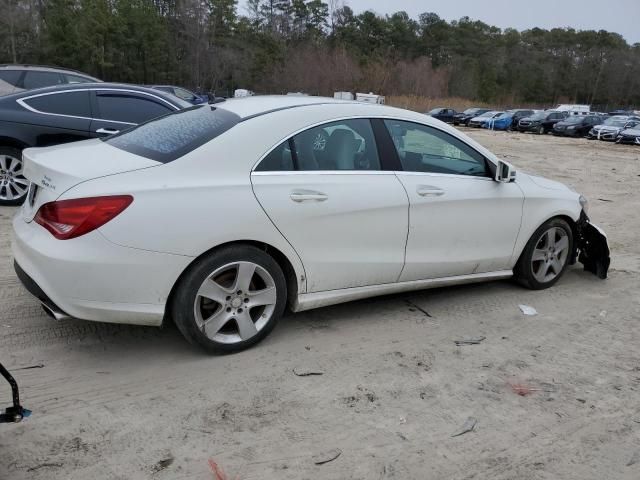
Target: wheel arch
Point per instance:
(561, 216)
(280, 258)
(12, 143)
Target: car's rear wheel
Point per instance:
(546, 255)
(230, 299)
(541, 131)
(13, 184)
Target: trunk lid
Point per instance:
(54, 170)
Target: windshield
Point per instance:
(487, 115)
(504, 115)
(615, 122)
(538, 116)
(435, 111)
(170, 137)
(574, 119)
(471, 111)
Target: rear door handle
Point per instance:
(429, 191)
(308, 196)
(107, 131)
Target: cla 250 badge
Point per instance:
(46, 182)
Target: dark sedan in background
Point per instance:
(519, 115)
(443, 114)
(630, 136)
(465, 117)
(577, 125)
(54, 115)
(542, 122)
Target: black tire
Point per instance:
(541, 131)
(183, 305)
(524, 272)
(15, 153)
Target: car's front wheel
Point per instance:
(541, 131)
(230, 299)
(546, 255)
(13, 184)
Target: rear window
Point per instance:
(172, 136)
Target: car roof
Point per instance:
(97, 85)
(42, 68)
(256, 105)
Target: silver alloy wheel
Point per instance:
(235, 302)
(13, 184)
(550, 255)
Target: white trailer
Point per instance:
(343, 95)
(370, 98)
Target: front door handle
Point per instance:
(107, 131)
(308, 196)
(429, 191)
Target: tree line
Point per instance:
(277, 46)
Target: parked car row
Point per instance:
(623, 127)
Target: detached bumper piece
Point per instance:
(15, 413)
(593, 247)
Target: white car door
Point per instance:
(461, 221)
(326, 192)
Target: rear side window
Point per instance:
(343, 145)
(70, 103)
(170, 137)
(121, 107)
(10, 76)
(34, 79)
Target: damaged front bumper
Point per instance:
(592, 247)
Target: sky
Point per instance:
(620, 16)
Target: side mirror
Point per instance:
(505, 173)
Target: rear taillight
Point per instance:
(67, 219)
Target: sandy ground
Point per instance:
(119, 402)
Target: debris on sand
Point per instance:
(326, 457)
(44, 465)
(162, 464)
(218, 472)
(470, 341)
(306, 372)
(417, 307)
(523, 389)
(468, 426)
(635, 458)
(39, 365)
(527, 310)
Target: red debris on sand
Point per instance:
(522, 389)
(218, 471)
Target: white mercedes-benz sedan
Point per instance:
(220, 217)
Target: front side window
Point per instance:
(33, 79)
(173, 136)
(75, 104)
(429, 150)
(342, 145)
(123, 107)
